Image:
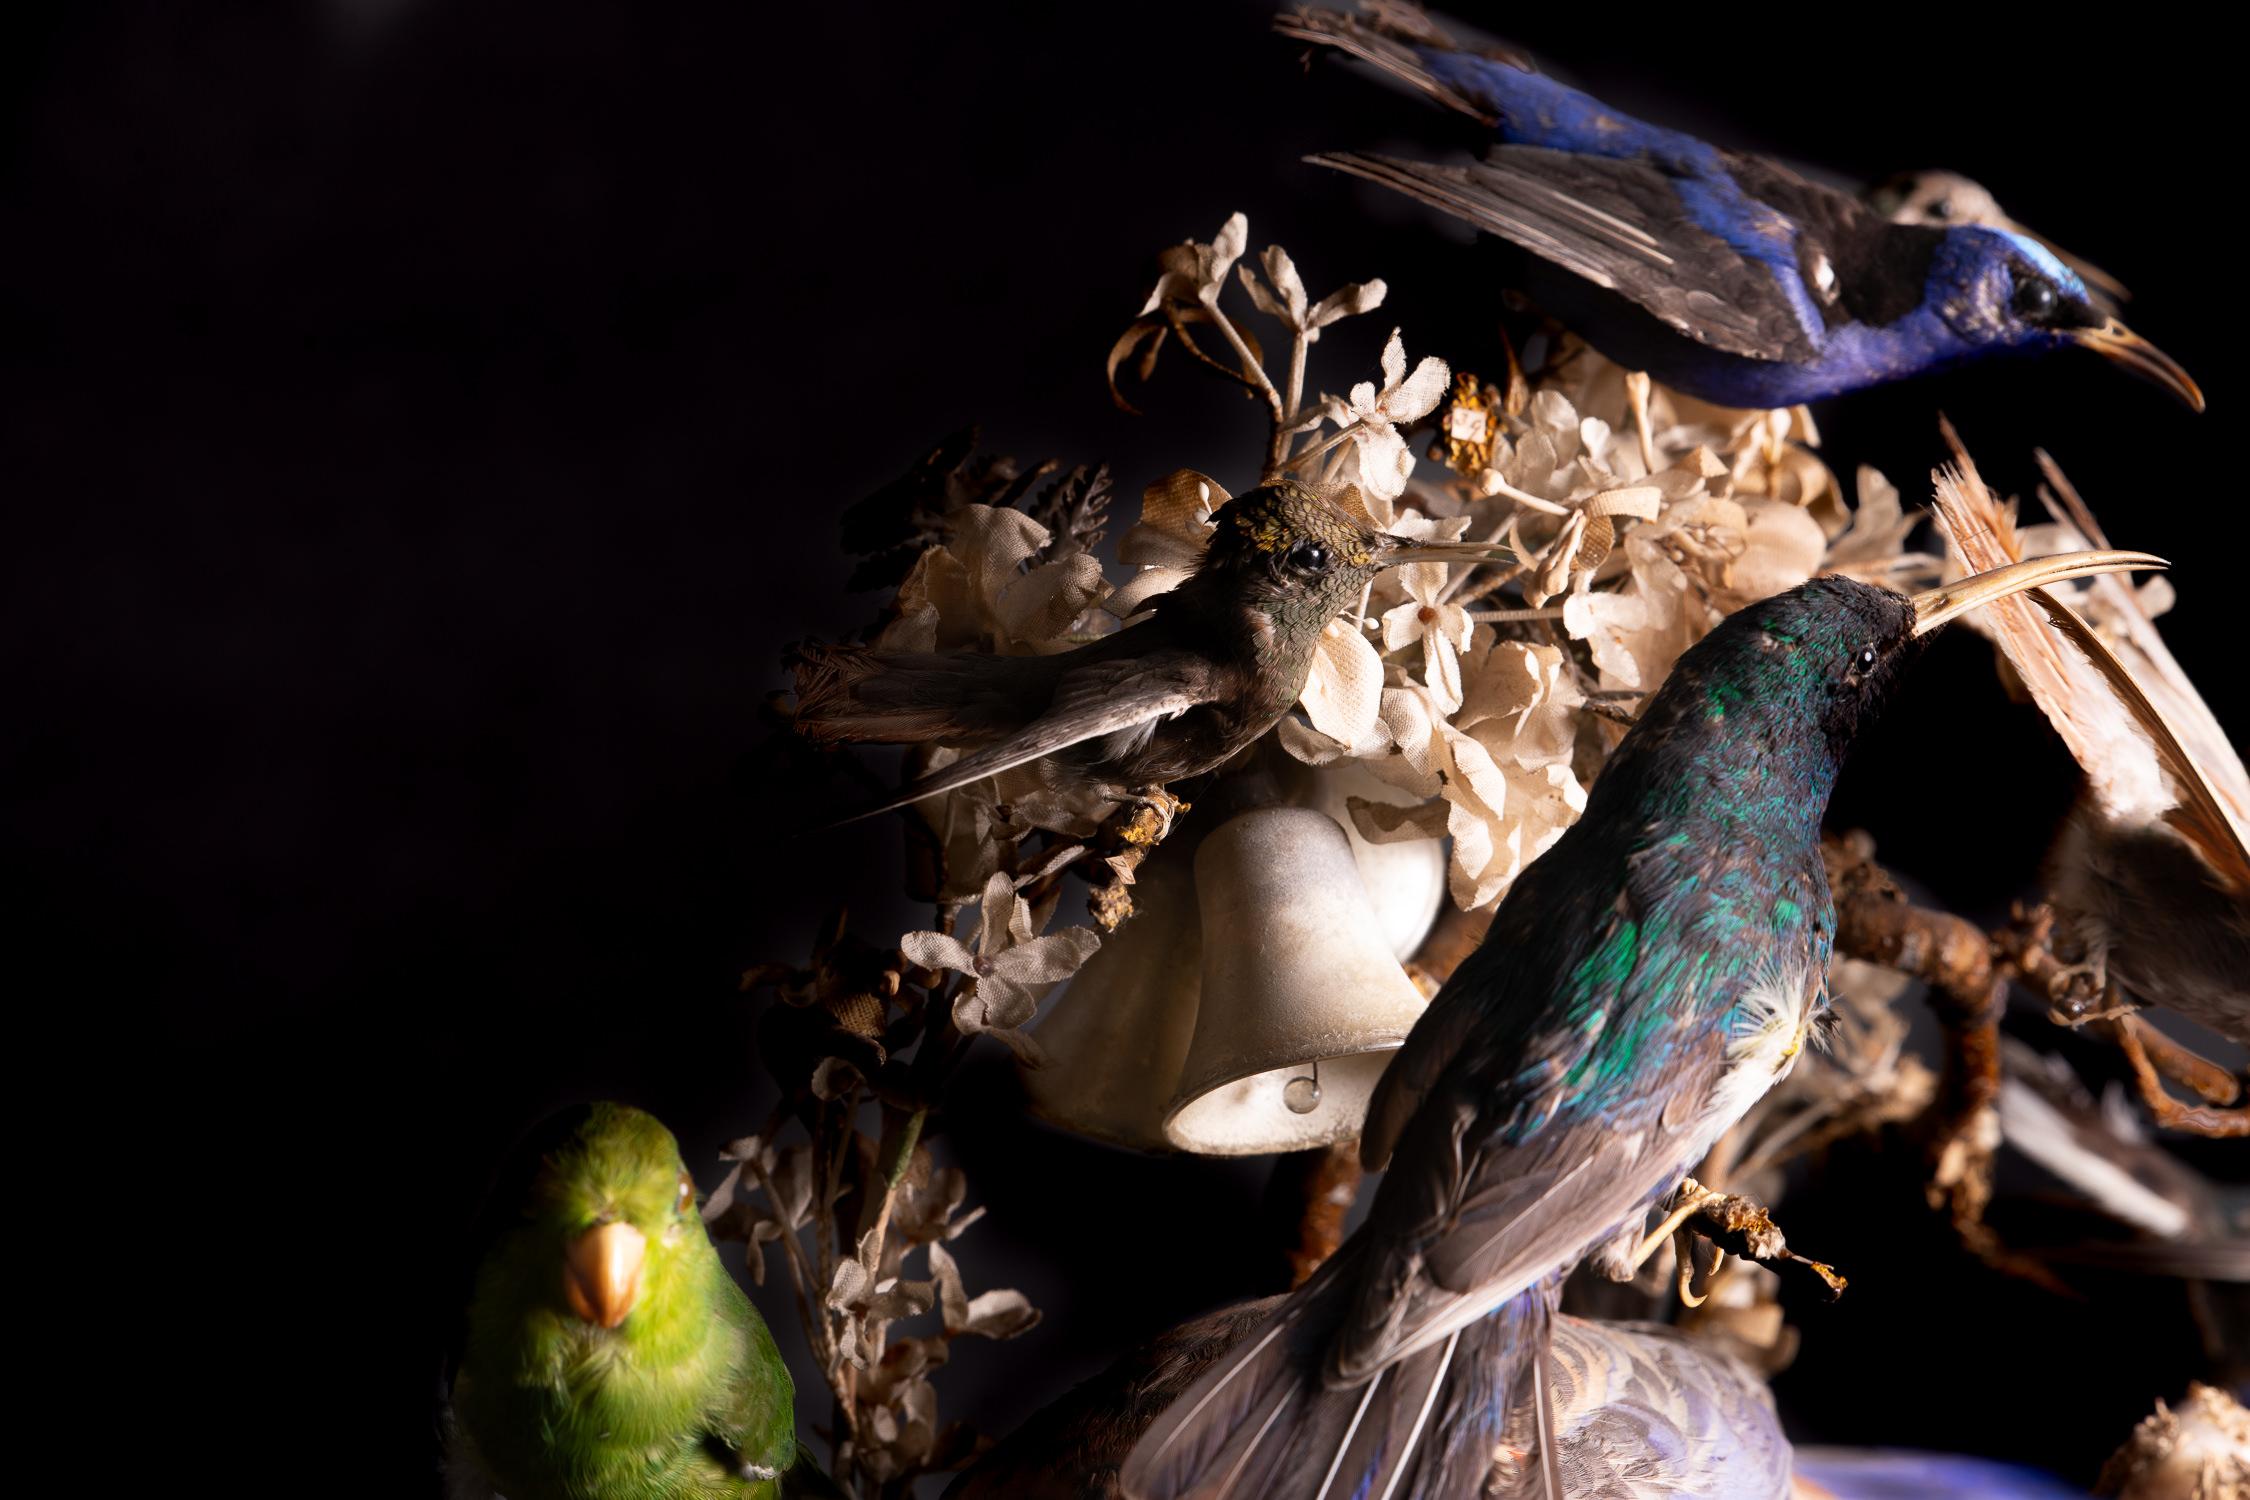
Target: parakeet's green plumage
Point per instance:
(609, 1354)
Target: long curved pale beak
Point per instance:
(1400, 550)
(1933, 607)
(2114, 341)
(602, 1272)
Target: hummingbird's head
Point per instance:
(2004, 289)
(1298, 557)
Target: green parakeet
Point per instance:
(609, 1355)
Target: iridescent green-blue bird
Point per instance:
(1642, 985)
(609, 1355)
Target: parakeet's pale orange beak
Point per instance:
(1933, 607)
(2114, 341)
(602, 1273)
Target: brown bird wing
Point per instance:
(1125, 696)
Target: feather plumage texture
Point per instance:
(1641, 1413)
(1720, 273)
(2153, 871)
(1215, 663)
(684, 1398)
(1642, 983)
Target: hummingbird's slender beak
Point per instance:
(602, 1272)
(1400, 550)
(1933, 607)
(2113, 340)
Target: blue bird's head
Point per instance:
(1998, 289)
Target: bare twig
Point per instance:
(1875, 922)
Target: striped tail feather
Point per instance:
(1264, 1422)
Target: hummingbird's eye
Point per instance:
(1942, 209)
(1866, 658)
(1309, 557)
(2035, 299)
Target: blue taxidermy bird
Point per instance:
(1722, 274)
(1643, 984)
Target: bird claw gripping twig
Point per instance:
(1127, 837)
(1736, 1226)
(2149, 1053)
(2078, 994)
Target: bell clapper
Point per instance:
(1302, 1093)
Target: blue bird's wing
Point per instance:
(1630, 227)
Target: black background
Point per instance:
(426, 422)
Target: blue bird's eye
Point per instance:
(2035, 299)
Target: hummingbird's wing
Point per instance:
(1623, 224)
(1121, 701)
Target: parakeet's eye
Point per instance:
(2035, 299)
(686, 1199)
(1309, 557)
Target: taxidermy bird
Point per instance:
(1217, 662)
(1722, 274)
(609, 1355)
(2152, 874)
(1624, 1392)
(1944, 199)
(1643, 983)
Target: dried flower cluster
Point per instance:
(1489, 693)
(848, 1208)
(1640, 519)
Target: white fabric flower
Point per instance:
(1443, 628)
(1011, 969)
(1168, 541)
(1377, 458)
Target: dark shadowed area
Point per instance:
(426, 423)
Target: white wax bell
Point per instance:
(1296, 971)
(1117, 1035)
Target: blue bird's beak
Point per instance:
(1933, 607)
(2113, 340)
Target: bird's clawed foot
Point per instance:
(2154, 1057)
(2076, 991)
(1142, 819)
(1734, 1225)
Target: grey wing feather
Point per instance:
(1125, 697)
(1618, 224)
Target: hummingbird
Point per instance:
(1723, 274)
(1643, 983)
(1216, 663)
(1632, 1389)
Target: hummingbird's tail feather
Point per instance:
(861, 693)
(1265, 1421)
